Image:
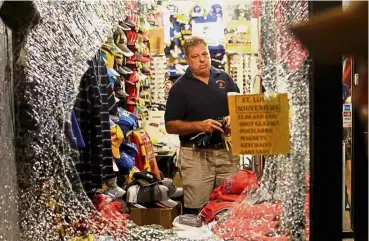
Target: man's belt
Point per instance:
(218, 146)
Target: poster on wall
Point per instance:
(239, 36)
(260, 125)
(212, 32)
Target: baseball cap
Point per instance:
(132, 37)
(110, 44)
(132, 100)
(133, 18)
(129, 148)
(120, 93)
(125, 163)
(113, 73)
(131, 108)
(126, 51)
(133, 78)
(141, 58)
(124, 70)
(119, 59)
(143, 192)
(118, 32)
(116, 138)
(126, 118)
(170, 185)
(336, 32)
(164, 199)
(128, 70)
(104, 58)
(131, 60)
(145, 70)
(178, 193)
(125, 123)
(114, 118)
(131, 89)
(119, 88)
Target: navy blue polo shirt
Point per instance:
(192, 100)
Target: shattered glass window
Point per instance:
(51, 51)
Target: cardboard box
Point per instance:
(160, 216)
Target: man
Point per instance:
(195, 101)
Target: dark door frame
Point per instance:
(359, 207)
(325, 143)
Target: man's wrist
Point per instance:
(197, 126)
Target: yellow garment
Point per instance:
(116, 139)
(130, 176)
(109, 58)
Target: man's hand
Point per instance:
(209, 126)
(227, 120)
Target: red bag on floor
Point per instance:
(213, 208)
(231, 197)
(218, 195)
(241, 182)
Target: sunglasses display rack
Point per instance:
(236, 69)
(251, 71)
(159, 75)
(243, 69)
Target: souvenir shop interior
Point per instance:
(95, 161)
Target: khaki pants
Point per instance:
(202, 170)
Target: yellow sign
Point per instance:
(260, 126)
